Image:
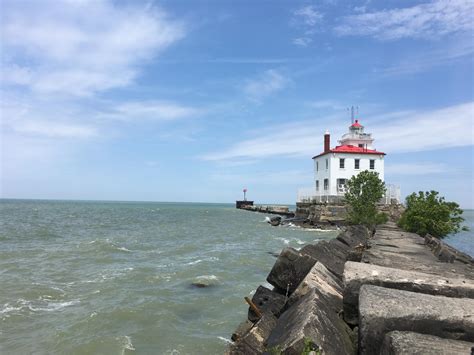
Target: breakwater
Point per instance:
(279, 210)
(369, 292)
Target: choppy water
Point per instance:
(113, 278)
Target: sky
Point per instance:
(193, 100)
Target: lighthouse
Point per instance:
(355, 153)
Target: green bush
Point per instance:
(427, 212)
(364, 191)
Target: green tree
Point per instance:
(427, 212)
(364, 191)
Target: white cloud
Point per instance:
(429, 20)
(81, 47)
(55, 129)
(420, 168)
(405, 131)
(266, 84)
(151, 110)
(427, 60)
(327, 104)
(286, 177)
(302, 41)
(308, 15)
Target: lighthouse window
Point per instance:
(317, 166)
(327, 164)
(326, 184)
(372, 164)
(317, 185)
(356, 163)
(361, 146)
(341, 163)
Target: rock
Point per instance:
(266, 301)
(325, 281)
(382, 310)
(358, 274)
(200, 285)
(311, 319)
(445, 252)
(401, 343)
(241, 330)
(332, 254)
(289, 270)
(353, 236)
(275, 221)
(253, 342)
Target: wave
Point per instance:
(107, 245)
(127, 344)
(36, 306)
(195, 262)
(208, 277)
(227, 341)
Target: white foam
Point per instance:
(45, 306)
(228, 341)
(51, 307)
(7, 309)
(123, 249)
(195, 262)
(207, 277)
(128, 344)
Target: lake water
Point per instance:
(114, 278)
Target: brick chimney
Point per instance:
(327, 142)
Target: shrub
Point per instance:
(363, 192)
(427, 212)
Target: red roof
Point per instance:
(351, 149)
(356, 124)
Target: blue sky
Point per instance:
(194, 100)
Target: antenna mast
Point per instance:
(352, 114)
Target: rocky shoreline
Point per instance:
(369, 292)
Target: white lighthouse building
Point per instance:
(335, 166)
(355, 153)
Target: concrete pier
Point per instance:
(386, 292)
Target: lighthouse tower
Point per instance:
(355, 153)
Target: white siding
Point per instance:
(334, 172)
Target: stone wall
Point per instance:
(336, 213)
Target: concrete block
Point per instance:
(325, 281)
(267, 301)
(332, 254)
(358, 274)
(289, 270)
(353, 236)
(409, 343)
(253, 342)
(311, 319)
(382, 310)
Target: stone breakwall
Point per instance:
(387, 292)
(335, 213)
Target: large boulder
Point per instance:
(311, 321)
(289, 270)
(358, 274)
(267, 301)
(253, 342)
(409, 343)
(332, 254)
(325, 281)
(353, 236)
(382, 310)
